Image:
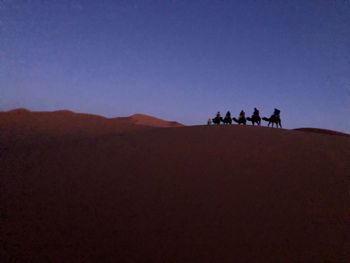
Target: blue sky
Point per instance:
(179, 60)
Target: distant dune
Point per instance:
(66, 122)
(146, 120)
(83, 188)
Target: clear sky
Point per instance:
(179, 59)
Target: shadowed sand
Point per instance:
(322, 131)
(76, 188)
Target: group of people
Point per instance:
(255, 118)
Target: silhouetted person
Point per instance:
(256, 112)
(274, 119)
(255, 117)
(276, 113)
(227, 119)
(217, 119)
(209, 122)
(241, 118)
(242, 115)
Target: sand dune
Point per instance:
(66, 122)
(92, 192)
(322, 131)
(142, 119)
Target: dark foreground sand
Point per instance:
(91, 191)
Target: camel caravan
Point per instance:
(254, 119)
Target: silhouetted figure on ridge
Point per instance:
(276, 112)
(256, 112)
(242, 115)
(217, 119)
(241, 119)
(255, 117)
(274, 119)
(227, 119)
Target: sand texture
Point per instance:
(82, 188)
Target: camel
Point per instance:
(226, 120)
(274, 119)
(254, 119)
(217, 120)
(240, 121)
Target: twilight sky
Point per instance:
(179, 59)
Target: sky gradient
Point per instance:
(178, 59)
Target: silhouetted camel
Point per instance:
(217, 120)
(254, 119)
(273, 120)
(240, 120)
(227, 120)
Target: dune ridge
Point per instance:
(63, 122)
(322, 131)
(188, 194)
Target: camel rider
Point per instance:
(256, 112)
(242, 115)
(228, 115)
(217, 119)
(276, 113)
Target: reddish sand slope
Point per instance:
(65, 122)
(142, 119)
(191, 194)
(322, 131)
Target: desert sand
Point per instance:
(83, 188)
